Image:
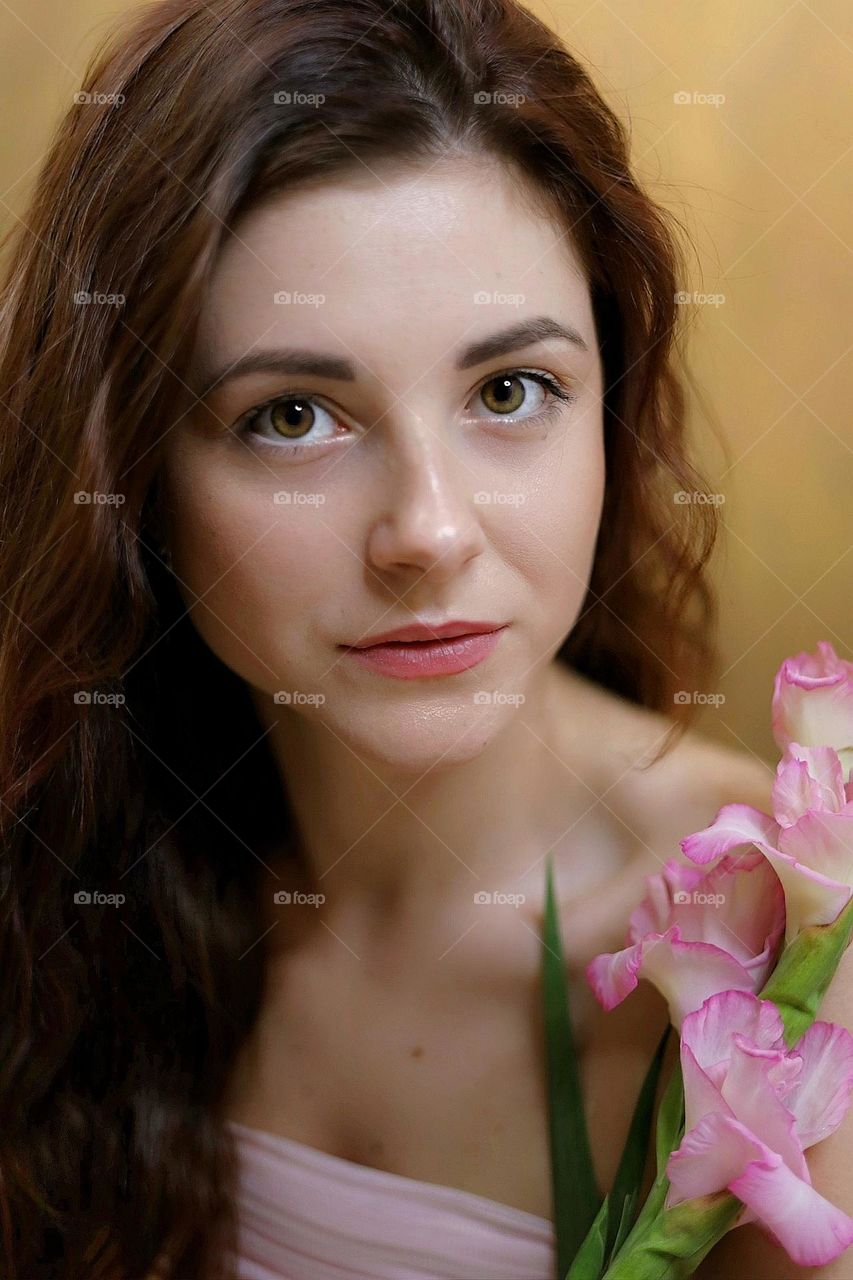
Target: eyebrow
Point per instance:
(318, 364)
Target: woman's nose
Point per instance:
(427, 517)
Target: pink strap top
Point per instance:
(304, 1214)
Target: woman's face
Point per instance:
(425, 469)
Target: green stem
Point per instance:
(671, 1244)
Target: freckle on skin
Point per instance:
(417, 1052)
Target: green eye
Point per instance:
(290, 422)
(283, 413)
(507, 393)
(298, 424)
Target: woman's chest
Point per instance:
(440, 1084)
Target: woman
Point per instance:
(330, 320)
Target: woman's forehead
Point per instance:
(421, 265)
(450, 231)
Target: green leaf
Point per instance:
(669, 1130)
(628, 1207)
(670, 1119)
(589, 1260)
(805, 969)
(629, 1175)
(577, 1199)
(673, 1243)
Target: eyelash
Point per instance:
(558, 395)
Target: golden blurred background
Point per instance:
(740, 119)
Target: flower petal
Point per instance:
(734, 824)
(821, 1096)
(654, 913)
(813, 702)
(702, 1095)
(737, 905)
(687, 973)
(613, 975)
(811, 895)
(823, 842)
(709, 1030)
(811, 1229)
(807, 778)
(713, 1153)
(752, 1088)
(750, 920)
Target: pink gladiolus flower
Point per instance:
(752, 1107)
(808, 841)
(696, 933)
(813, 703)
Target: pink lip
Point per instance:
(424, 631)
(432, 657)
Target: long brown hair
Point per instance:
(131, 761)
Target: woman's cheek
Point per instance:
(251, 574)
(559, 520)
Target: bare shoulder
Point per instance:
(686, 786)
(683, 789)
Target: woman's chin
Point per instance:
(422, 738)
